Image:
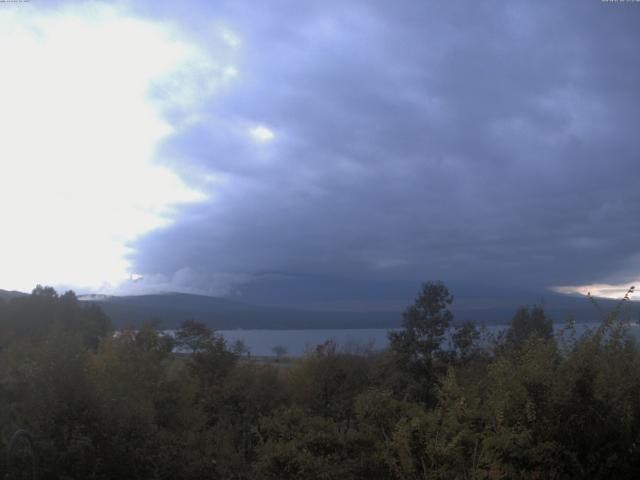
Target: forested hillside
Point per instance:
(528, 404)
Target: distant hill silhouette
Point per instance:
(170, 309)
(9, 294)
(498, 307)
(221, 313)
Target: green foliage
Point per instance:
(326, 381)
(193, 336)
(35, 316)
(299, 445)
(465, 340)
(425, 323)
(140, 404)
(416, 349)
(527, 322)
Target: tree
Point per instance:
(193, 336)
(240, 348)
(527, 322)
(424, 323)
(280, 351)
(47, 292)
(326, 381)
(416, 348)
(210, 360)
(464, 339)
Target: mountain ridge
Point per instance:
(169, 309)
(10, 294)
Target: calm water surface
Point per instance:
(262, 342)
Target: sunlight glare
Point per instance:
(78, 181)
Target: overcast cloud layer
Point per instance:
(481, 143)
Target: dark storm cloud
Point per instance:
(476, 142)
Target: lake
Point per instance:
(262, 342)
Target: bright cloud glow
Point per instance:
(602, 290)
(261, 133)
(230, 72)
(229, 37)
(78, 181)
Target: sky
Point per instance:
(324, 153)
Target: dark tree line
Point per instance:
(443, 401)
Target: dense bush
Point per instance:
(442, 402)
